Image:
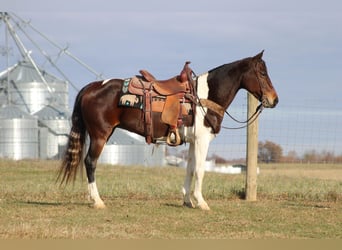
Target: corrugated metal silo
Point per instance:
(125, 148)
(18, 134)
(29, 92)
(54, 127)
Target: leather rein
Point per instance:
(248, 122)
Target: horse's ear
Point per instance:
(259, 56)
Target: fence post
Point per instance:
(252, 151)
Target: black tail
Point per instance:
(73, 155)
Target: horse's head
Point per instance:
(258, 83)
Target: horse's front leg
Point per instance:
(200, 154)
(196, 166)
(188, 178)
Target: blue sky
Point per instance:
(302, 40)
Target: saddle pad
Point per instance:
(128, 99)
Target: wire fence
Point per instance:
(310, 132)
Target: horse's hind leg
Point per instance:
(90, 161)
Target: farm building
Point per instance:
(35, 115)
(31, 89)
(126, 148)
(18, 134)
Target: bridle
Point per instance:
(258, 110)
(262, 84)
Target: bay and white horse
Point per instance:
(96, 113)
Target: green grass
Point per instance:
(147, 203)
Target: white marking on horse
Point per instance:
(199, 137)
(94, 194)
(105, 81)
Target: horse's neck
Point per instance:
(223, 87)
(231, 95)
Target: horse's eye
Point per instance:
(263, 73)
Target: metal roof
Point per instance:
(52, 113)
(24, 72)
(13, 112)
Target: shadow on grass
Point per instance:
(239, 193)
(42, 203)
(174, 205)
(54, 204)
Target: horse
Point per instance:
(96, 114)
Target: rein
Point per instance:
(248, 122)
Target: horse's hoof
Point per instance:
(188, 204)
(204, 206)
(99, 206)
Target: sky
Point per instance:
(302, 39)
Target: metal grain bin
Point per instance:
(125, 148)
(54, 127)
(28, 91)
(18, 134)
(30, 96)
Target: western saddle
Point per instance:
(171, 94)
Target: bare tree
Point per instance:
(269, 152)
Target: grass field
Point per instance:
(294, 202)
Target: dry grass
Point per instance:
(322, 174)
(146, 203)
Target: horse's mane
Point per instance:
(229, 66)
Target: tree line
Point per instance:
(270, 152)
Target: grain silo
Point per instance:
(54, 128)
(18, 134)
(126, 148)
(46, 98)
(29, 91)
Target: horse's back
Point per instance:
(99, 105)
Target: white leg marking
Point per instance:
(94, 195)
(199, 137)
(200, 152)
(188, 178)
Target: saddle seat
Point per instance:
(170, 86)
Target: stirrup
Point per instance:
(173, 138)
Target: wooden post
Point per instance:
(252, 151)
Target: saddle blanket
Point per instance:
(128, 99)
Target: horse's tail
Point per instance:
(73, 155)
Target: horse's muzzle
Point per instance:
(266, 103)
